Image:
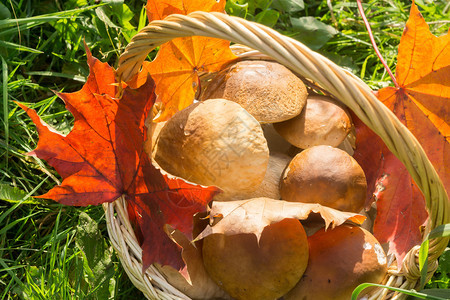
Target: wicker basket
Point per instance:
(343, 85)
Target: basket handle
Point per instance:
(343, 85)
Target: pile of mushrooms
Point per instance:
(258, 131)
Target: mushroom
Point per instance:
(323, 121)
(276, 143)
(339, 260)
(267, 90)
(215, 142)
(325, 175)
(349, 143)
(264, 269)
(270, 186)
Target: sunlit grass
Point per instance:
(41, 51)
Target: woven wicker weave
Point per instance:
(343, 85)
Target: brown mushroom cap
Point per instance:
(323, 121)
(267, 90)
(215, 142)
(340, 260)
(325, 175)
(265, 269)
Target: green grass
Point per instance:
(44, 251)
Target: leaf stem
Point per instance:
(375, 47)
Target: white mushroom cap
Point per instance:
(215, 142)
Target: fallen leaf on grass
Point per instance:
(98, 267)
(103, 158)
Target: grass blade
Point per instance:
(423, 262)
(419, 295)
(18, 47)
(438, 232)
(10, 273)
(79, 78)
(38, 20)
(13, 223)
(5, 104)
(444, 293)
(12, 208)
(13, 26)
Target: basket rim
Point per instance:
(342, 84)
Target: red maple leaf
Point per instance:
(102, 159)
(401, 209)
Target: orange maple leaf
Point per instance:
(422, 99)
(159, 9)
(178, 63)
